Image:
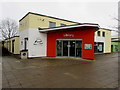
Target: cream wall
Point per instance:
(11, 44)
(36, 21)
(24, 23)
(106, 39)
(16, 45)
(108, 42)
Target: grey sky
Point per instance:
(101, 13)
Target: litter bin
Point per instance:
(24, 54)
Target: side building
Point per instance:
(115, 46)
(103, 41)
(12, 45)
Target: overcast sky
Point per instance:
(101, 12)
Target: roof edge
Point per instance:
(74, 26)
(47, 16)
(106, 29)
(24, 16)
(11, 37)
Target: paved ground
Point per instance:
(67, 73)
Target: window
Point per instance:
(98, 47)
(116, 48)
(52, 24)
(103, 34)
(62, 24)
(98, 33)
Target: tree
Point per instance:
(8, 28)
(116, 27)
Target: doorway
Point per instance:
(13, 46)
(69, 47)
(98, 47)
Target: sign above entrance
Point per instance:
(68, 35)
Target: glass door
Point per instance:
(69, 48)
(65, 48)
(59, 48)
(72, 48)
(78, 48)
(100, 47)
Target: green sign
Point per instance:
(88, 46)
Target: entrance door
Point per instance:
(65, 48)
(59, 48)
(98, 47)
(72, 48)
(111, 48)
(69, 48)
(78, 48)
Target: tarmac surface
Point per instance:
(60, 73)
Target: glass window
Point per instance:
(59, 48)
(98, 33)
(116, 48)
(78, 48)
(103, 34)
(62, 24)
(98, 47)
(52, 24)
